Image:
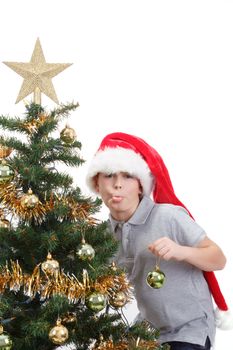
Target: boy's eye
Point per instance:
(125, 175)
(108, 175)
(128, 176)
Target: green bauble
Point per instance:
(6, 173)
(85, 251)
(5, 342)
(96, 301)
(156, 278)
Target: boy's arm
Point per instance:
(206, 256)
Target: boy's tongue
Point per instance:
(116, 199)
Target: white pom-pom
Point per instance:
(223, 319)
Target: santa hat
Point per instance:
(127, 153)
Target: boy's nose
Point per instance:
(117, 183)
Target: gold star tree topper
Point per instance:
(37, 75)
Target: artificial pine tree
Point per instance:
(56, 283)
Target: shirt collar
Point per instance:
(143, 211)
(114, 223)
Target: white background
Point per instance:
(162, 70)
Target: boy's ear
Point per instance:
(140, 188)
(96, 185)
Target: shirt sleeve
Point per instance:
(185, 230)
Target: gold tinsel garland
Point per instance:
(33, 125)
(63, 284)
(138, 344)
(109, 345)
(11, 195)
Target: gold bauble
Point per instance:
(6, 172)
(59, 333)
(4, 151)
(29, 200)
(96, 301)
(5, 342)
(119, 299)
(50, 267)
(4, 223)
(85, 251)
(68, 135)
(156, 278)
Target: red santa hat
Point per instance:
(127, 153)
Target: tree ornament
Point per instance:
(4, 151)
(85, 251)
(68, 135)
(29, 200)
(50, 267)
(37, 75)
(118, 300)
(6, 173)
(59, 333)
(96, 301)
(5, 340)
(156, 278)
(4, 223)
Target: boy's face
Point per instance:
(120, 193)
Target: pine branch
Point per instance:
(64, 109)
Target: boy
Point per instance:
(124, 172)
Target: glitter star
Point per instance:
(37, 75)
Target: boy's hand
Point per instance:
(206, 256)
(167, 249)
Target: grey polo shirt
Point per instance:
(182, 309)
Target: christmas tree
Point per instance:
(57, 285)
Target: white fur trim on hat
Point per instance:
(223, 319)
(118, 159)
